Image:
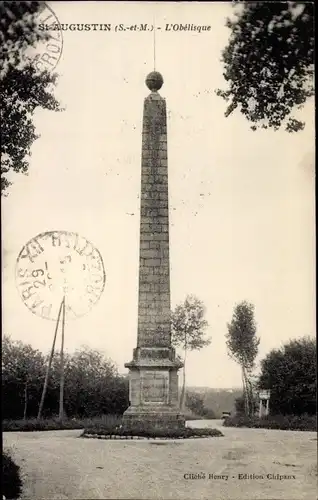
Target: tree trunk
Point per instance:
(245, 395)
(249, 394)
(25, 400)
(182, 398)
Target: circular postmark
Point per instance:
(59, 264)
(47, 51)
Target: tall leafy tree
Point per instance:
(188, 332)
(242, 344)
(268, 62)
(23, 88)
(22, 369)
(290, 374)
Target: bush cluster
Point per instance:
(283, 422)
(92, 383)
(11, 480)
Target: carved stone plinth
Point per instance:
(153, 389)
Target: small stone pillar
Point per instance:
(153, 377)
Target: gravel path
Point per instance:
(60, 465)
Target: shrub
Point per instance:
(284, 422)
(11, 480)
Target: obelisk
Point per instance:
(153, 377)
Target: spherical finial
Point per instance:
(154, 81)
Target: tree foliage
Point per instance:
(290, 374)
(188, 331)
(242, 344)
(22, 368)
(23, 88)
(268, 62)
(189, 325)
(99, 388)
(92, 383)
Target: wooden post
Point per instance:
(49, 364)
(61, 409)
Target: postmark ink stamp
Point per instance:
(58, 264)
(47, 52)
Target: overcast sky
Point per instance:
(241, 202)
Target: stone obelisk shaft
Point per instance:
(154, 276)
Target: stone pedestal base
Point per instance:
(153, 418)
(153, 390)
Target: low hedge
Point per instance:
(283, 422)
(40, 425)
(186, 432)
(54, 424)
(11, 480)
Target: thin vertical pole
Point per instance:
(154, 43)
(49, 364)
(61, 409)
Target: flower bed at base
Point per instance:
(122, 433)
(282, 422)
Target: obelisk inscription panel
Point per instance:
(155, 386)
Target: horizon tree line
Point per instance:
(93, 385)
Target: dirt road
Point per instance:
(60, 465)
